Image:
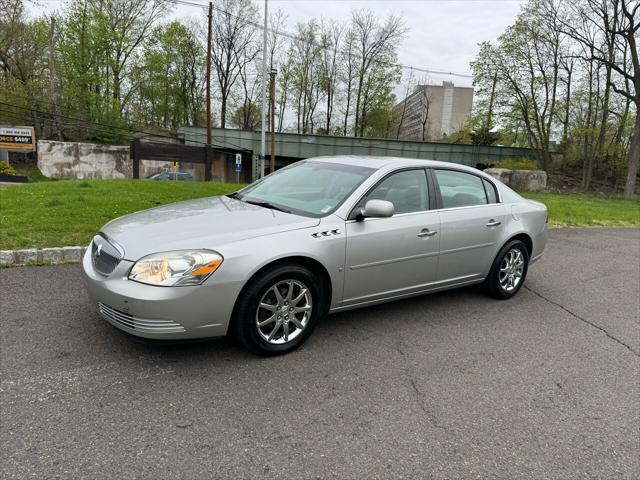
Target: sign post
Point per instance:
(17, 139)
(238, 166)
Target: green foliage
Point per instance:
(483, 136)
(170, 95)
(6, 169)
(518, 164)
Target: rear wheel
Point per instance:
(508, 271)
(278, 310)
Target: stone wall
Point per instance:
(523, 180)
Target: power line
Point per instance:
(100, 124)
(292, 36)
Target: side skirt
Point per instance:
(418, 293)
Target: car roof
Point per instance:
(379, 162)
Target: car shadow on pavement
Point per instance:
(355, 325)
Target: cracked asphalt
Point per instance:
(452, 385)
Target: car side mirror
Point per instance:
(377, 209)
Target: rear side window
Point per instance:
(492, 196)
(459, 189)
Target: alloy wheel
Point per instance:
(511, 269)
(283, 311)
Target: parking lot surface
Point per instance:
(451, 385)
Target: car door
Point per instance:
(391, 256)
(472, 222)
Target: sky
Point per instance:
(443, 35)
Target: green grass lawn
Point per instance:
(70, 212)
(588, 211)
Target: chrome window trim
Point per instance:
(468, 206)
(398, 215)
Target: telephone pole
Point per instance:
(273, 119)
(264, 92)
(209, 75)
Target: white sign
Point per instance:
(238, 159)
(17, 139)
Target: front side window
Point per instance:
(459, 189)
(407, 191)
(307, 187)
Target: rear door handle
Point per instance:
(493, 223)
(425, 232)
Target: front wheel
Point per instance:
(508, 271)
(278, 310)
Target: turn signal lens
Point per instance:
(177, 268)
(208, 268)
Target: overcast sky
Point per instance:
(442, 34)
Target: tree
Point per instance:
(608, 31)
(234, 45)
(304, 58)
(23, 59)
(247, 117)
(525, 64)
(424, 102)
(171, 76)
(402, 111)
(330, 37)
(376, 49)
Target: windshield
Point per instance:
(308, 188)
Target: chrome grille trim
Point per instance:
(145, 325)
(105, 256)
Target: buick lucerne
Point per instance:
(322, 235)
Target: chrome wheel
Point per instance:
(284, 311)
(511, 269)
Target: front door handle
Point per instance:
(425, 232)
(493, 223)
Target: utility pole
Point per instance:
(52, 82)
(273, 119)
(209, 75)
(264, 91)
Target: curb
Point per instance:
(52, 256)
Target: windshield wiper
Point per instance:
(266, 205)
(233, 195)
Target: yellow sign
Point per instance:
(17, 139)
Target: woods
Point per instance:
(101, 69)
(563, 79)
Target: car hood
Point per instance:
(203, 223)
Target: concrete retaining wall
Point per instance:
(524, 180)
(90, 161)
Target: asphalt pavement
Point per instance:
(451, 385)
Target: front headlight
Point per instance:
(177, 268)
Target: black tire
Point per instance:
(492, 285)
(244, 327)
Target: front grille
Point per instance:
(104, 256)
(139, 324)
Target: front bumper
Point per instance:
(170, 313)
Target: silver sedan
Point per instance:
(323, 235)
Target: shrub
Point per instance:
(6, 169)
(518, 164)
